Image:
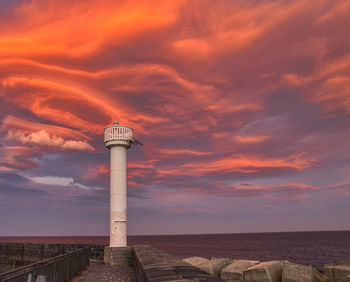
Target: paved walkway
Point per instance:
(98, 271)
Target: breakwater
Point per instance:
(153, 265)
(309, 248)
(271, 271)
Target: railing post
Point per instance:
(67, 269)
(79, 258)
(42, 252)
(54, 271)
(34, 275)
(22, 255)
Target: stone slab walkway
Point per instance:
(154, 265)
(98, 271)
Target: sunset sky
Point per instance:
(243, 108)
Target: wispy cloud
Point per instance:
(220, 93)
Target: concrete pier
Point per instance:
(142, 264)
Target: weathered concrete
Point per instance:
(195, 261)
(214, 266)
(270, 271)
(98, 271)
(234, 271)
(293, 272)
(118, 256)
(153, 265)
(337, 273)
(343, 262)
(320, 277)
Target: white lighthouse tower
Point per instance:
(118, 138)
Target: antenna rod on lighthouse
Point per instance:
(118, 139)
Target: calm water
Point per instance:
(316, 248)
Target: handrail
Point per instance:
(118, 132)
(34, 267)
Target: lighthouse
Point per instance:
(118, 138)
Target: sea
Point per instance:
(312, 248)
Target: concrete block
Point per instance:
(117, 256)
(337, 272)
(214, 266)
(234, 271)
(344, 262)
(195, 261)
(270, 271)
(294, 272)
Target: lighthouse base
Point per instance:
(118, 256)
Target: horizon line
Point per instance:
(183, 234)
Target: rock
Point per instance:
(234, 271)
(270, 271)
(195, 261)
(337, 272)
(214, 266)
(294, 272)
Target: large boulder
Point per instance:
(214, 266)
(337, 273)
(294, 272)
(344, 262)
(270, 271)
(195, 261)
(234, 271)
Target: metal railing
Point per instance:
(118, 132)
(23, 253)
(57, 269)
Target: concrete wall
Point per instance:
(155, 265)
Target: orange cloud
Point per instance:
(141, 170)
(246, 164)
(43, 138)
(224, 28)
(167, 152)
(251, 139)
(295, 186)
(139, 165)
(339, 8)
(27, 127)
(330, 86)
(135, 184)
(294, 191)
(47, 99)
(5, 168)
(18, 157)
(39, 134)
(80, 28)
(193, 47)
(13, 63)
(334, 94)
